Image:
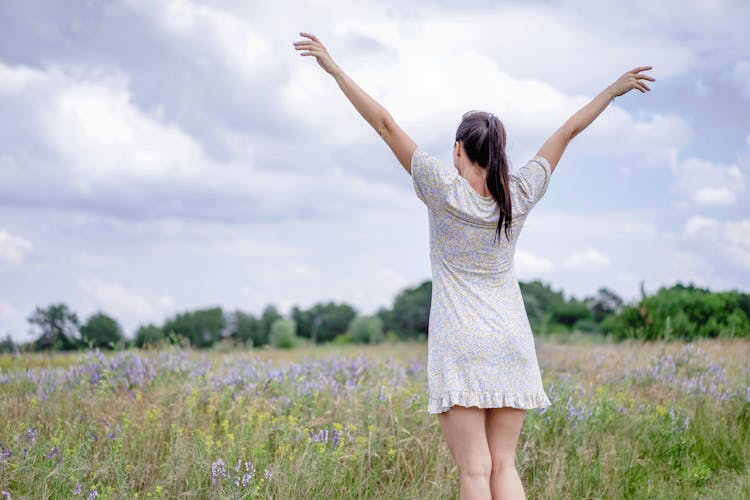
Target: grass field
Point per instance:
(630, 420)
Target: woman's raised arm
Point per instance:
(553, 148)
(375, 114)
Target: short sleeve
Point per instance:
(532, 180)
(431, 178)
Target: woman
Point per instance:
(482, 368)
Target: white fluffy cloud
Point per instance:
(13, 249)
(731, 238)
(704, 183)
(129, 305)
(590, 258)
(530, 265)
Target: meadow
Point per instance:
(628, 420)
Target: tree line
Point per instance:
(680, 311)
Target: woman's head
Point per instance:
(481, 136)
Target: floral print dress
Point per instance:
(481, 348)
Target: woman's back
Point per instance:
(463, 223)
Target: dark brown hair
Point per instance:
(483, 137)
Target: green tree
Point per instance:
(603, 303)
(681, 311)
(102, 331)
(539, 299)
(366, 329)
(149, 335)
(324, 321)
(7, 345)
(247, 329)
(202, 327)
(267, 317)
(58, 328)
(568, 313)
(283, 333)
(410, 314)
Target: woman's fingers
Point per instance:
(647, 77)
(304, 45)
(640, 68)
(309, 35)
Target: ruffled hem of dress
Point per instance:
(521, 400)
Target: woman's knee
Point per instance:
(476, 468)
(502, 461)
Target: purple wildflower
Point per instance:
(381, 394)
(114, 435)
(93, 436)
(336, 437)
(249, 473)
(5, 494)
(238, 465)
(268, 474)
(31, 435)
(77, 490)
(218, 470)
(93, 494)
(53, 453)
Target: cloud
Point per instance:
(7, 311)
(731, 238)
(13, 249)
(529, 264)
(587, 259)
(704, 183)
(741, 77)
(122, 302)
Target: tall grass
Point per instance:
(630, 420)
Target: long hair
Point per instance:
(483, 137)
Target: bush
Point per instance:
(681, 312)
(586, 325)
(283, 334)
(366, 329)
(342, 338)
(149, 336)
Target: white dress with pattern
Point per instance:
(481, 349)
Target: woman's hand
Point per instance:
(313, 47)
(631, 80)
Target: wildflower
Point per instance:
(93, 494)
(268, 474)
(53, 453)
(114, 435)
(381, 394)
(248, 475)
(77, 490)
(5, 494)
(31, 435)
(336, 437)
(218, 470)
(685, 423)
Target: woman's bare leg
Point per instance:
(464, 431)
(503, 427)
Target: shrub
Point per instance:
(283, 334)
(366, 329)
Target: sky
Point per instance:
(163, 156)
